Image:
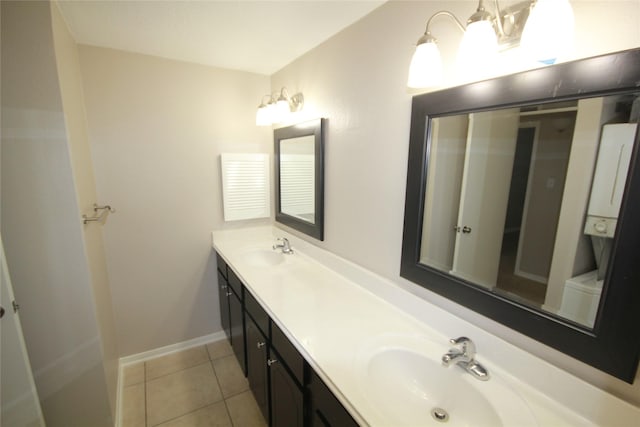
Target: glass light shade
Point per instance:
(281, 111)
(426, 66)
(272, 112)
(548, 33)
(262, 116)
(478, 52)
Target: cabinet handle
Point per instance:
(271, 362)
(223, 286)
(260, 344)
(229, 294)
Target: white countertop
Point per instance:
(330, 310)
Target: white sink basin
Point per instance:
(411, 388)
(263, 258)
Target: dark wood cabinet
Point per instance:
(257, 372)
(287, 396)
(236, 326)
(224, 305)
(287, 391)
(325, 409)
(232, 310)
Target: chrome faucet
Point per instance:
(464, 355)
(285, 246)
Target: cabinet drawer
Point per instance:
(234, 282)
(222, 266)
(288, 353)
(257, 313)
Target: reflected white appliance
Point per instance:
(609, 179)
(581, 298)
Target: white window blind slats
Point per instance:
(245, 186)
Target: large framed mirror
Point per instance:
(523, 204)
(299, 167)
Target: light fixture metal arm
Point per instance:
(444, 13)
(499, 19)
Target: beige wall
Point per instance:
(357, 79)
(82, 167)
(41, 226)
(157, 128)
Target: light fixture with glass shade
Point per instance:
(478, 49)
(545, 27)
(278, 110)
(264, 113)
(548, 34)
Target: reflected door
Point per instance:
(484, 195)
(20, 404)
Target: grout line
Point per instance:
(224, 399)
(228, 413)
(144, 374)
(211, 364)
(188, 413)
(180, 370)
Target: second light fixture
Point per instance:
(278, 107)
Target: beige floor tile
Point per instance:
(180, 393)
(230, 376)
(133, 406)
(218, 349)
(133, 374)
(244, 411)
(175, 362)
(215, 415)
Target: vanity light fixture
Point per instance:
(265, 112)
(276, 110)
(544, 29)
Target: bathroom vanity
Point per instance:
(288, 391)
(329, 343)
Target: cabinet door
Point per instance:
(236, 320)
(287, 399)
(257, 366)
(224, 305)
(326, 409)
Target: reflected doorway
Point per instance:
(535, 197)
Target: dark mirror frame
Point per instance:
(613, 345)
(313, 128)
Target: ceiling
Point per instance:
(255, 36)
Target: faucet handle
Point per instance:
(468, 347)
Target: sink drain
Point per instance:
(440, 415)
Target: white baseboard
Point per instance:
(152, 354)
(172, 348)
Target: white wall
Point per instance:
(157, 128)
(42, 229)
(357, 80)
(68, 64)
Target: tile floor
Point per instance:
(198, 387)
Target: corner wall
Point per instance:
(357, 80)
(42, 228)
(68, 65)
(157, 128)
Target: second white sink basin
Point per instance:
(263, 258)
(410, 388)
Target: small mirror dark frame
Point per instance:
(313, 128)
(613, 345)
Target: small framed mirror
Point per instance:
(299, 158)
